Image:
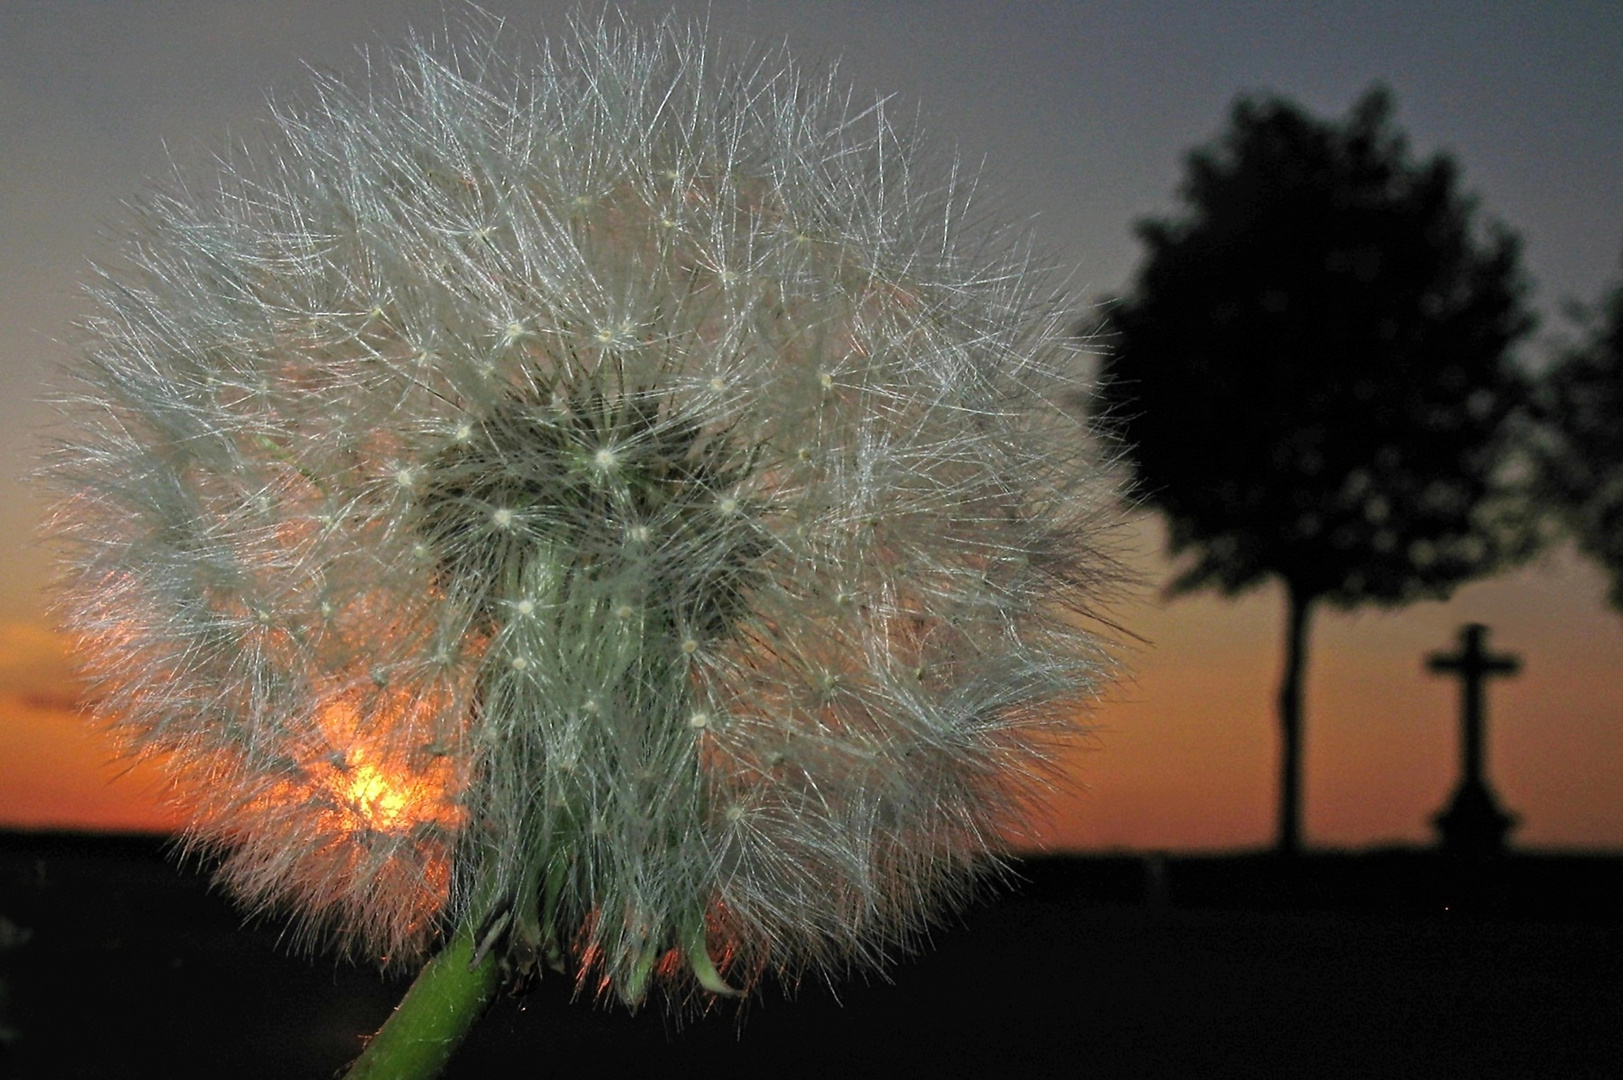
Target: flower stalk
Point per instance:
(439, 1009)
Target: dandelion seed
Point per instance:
(485, 579)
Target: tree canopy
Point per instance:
(1311, 373)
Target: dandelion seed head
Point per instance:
(434, 630)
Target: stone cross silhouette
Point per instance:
(1473, 823)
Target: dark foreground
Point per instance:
(117, 965)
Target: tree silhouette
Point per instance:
(1311, 379)
(1580, 406)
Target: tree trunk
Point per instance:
(1299, 612)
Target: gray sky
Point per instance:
(1081, 112)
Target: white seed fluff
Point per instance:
(384, 434)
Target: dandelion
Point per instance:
(599, 512)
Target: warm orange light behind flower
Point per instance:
(372, 791)
(380, 798)
(376, 807)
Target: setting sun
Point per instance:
(371, 793)
(379, 798)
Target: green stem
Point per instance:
(432, 1019)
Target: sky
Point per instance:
(1080, 115)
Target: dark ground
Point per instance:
(1390, 964)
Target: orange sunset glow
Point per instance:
(350, 823)
(369, 791)
(1181, 756)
